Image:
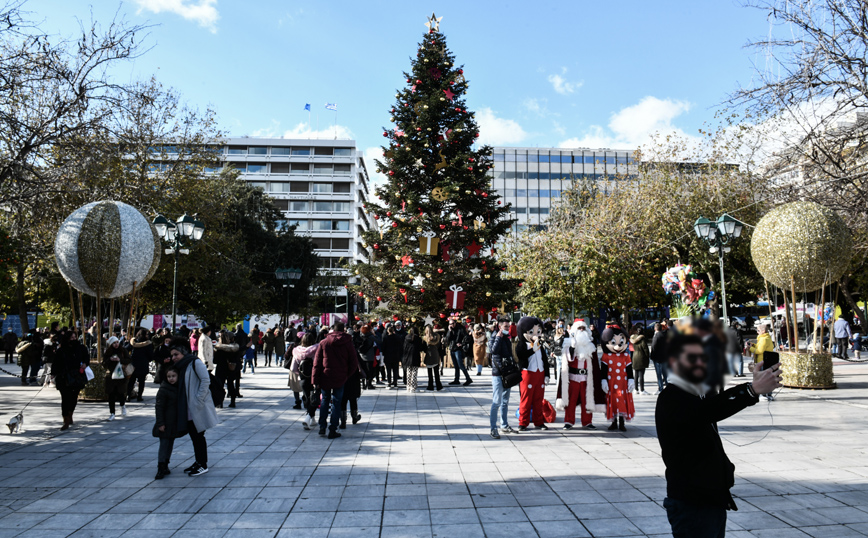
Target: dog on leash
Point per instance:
(16, 423)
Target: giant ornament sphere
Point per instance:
(102, 248)
(802, 241)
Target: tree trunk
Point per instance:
(845, 291)
(21, 299)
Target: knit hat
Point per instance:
(112, 340)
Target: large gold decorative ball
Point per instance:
(802, 241)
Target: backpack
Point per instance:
(467, 345)
(305, 367)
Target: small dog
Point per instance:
(16, 423)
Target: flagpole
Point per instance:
(336, 123)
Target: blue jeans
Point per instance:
(692, 521)
(499, 399)
(458, 362)
(248, 362)
(661, 368)
(736, 363)
(335, 396)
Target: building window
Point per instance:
(212, 169)
(521, 157)
(323, 170)
(322, 206)
(298, 186)
(257, 150)
(321, 243)
(300, 151)
(341, 187)
(498, 157)
(321, 187)
(343, 152)
(280, 151)
(509, 157)
(341, 207)
(539, 211)
(533, 193)
(237, 150)
(521, 193)
(257, 184)
(300, 168)
(241, 167)
(342, 169)
(299, 224)
(324, 151)
(282, 205)
(519, 210)
(279, 168)
(340, 244)
(257, 168)
(300, 206)
(321, 225)
(588, 159)
(341, 225)
(544, 193)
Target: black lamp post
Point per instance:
(566, 274)
(718, 235)
(179, 236)
(292, 275)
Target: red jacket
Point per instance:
(335, 361)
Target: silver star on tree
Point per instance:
(434, 23)
(429, 320)
(475, 272)
(383, 304)
(417, 281)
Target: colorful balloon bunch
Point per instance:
(683, 282)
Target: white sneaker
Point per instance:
(646, 393)
(111, 417)
(124, 410)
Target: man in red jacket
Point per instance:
(335, 361)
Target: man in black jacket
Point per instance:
(698, 473)
(455, 342)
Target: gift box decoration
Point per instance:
(428, 243)
(455, 297)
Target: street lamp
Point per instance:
(178, 236)
(292, 275)
(565, 273)
(718, 235)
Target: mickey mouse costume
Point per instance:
(618, 377)
(527, 349)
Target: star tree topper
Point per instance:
(433, 23)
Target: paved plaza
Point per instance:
(421, 465)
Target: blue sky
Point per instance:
(569, 73)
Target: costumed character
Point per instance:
(618, 383)
(580, 378)
(528, 351)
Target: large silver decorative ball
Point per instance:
(801, 241)
(104, 247)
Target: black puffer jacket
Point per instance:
(501, 348)
(166, 407)
(411, 357)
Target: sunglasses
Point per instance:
(692, 358)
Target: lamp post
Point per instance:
(179, 236)
(566, 274)
(292, 275)
(718, 235)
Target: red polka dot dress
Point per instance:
(619, 401)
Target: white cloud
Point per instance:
(304, 130)
(498, 131)
(560, 84)
(633, 126)
(204, 12)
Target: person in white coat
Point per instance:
(196, 411)
(206, 348)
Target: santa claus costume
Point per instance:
(531, 357)
(618, 383)
(580, 380)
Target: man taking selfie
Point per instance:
(698, 473)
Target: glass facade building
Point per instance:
(532, 179)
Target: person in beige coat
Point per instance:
(206, 349)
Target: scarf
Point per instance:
(691, 388)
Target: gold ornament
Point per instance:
(803, 241)
(379, 279)
(419, 229)
(488, 294)
(439, 194)
(487, 276)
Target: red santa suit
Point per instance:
(579, 377)
(619, 375)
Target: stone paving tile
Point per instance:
(422, 465)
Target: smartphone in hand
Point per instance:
(770, 358)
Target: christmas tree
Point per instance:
(439, 221)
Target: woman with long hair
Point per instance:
(114, 360)
(68, 370)
(432, 357)
(480, 345)
(412, 358)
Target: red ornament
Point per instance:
(471, 159)
(440, 270)
(361, 294)
(442, 226)
(494, 309)
(498, 202)
(396, 318)
(376, 246)
(376, 217)
(485, 195)
(388, 213)
(391, 172)
(461, 71)
(379, 298)
(520, 284)
(418, 81)
(421, 290)
(442, 315)
(385, 133)
(469, 168)
(357, 318)
(394, 225)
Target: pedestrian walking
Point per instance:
(455, 342)
(842, 335)
(279, 348)
(116, 360)
(196, 412)
(166, 426)
(367, 353)
(392, 349)
(141, 357)
(641, 358)
(431, 360)
(268, 345)
(10, 340)
(206, 348)
(411, 358)
(335, 361)
(294, 381)
(480, 344)
(68, 370)
(734, 348)
(30, 356)
(302, 364)
(194, 341)
(227, 365)
(249, 359)
(658, 355)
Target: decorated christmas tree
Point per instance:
(434, 253)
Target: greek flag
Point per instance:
(307, 107)
(331, 106)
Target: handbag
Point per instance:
(510, 374)
(129, 369)
(118, 372)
